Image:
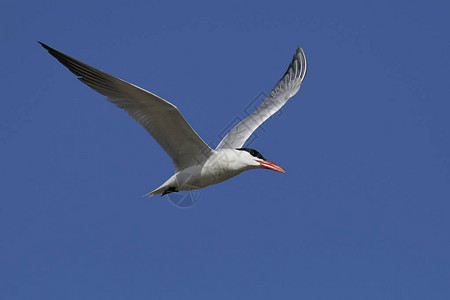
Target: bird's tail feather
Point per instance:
(155, 192)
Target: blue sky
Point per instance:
(362, 212)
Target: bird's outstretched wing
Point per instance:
(287, 87)
(160, 118)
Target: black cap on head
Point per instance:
(253, 152)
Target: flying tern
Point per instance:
(196, 164)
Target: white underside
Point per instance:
(220, 166)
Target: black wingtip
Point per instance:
(45, 46)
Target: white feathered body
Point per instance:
(221, 165)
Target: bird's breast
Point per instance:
(219, 167)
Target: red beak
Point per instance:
(270, 165)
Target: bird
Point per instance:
(196, 164)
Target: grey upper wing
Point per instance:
(287, 87)
(160, 118)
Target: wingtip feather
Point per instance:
(45, 46)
